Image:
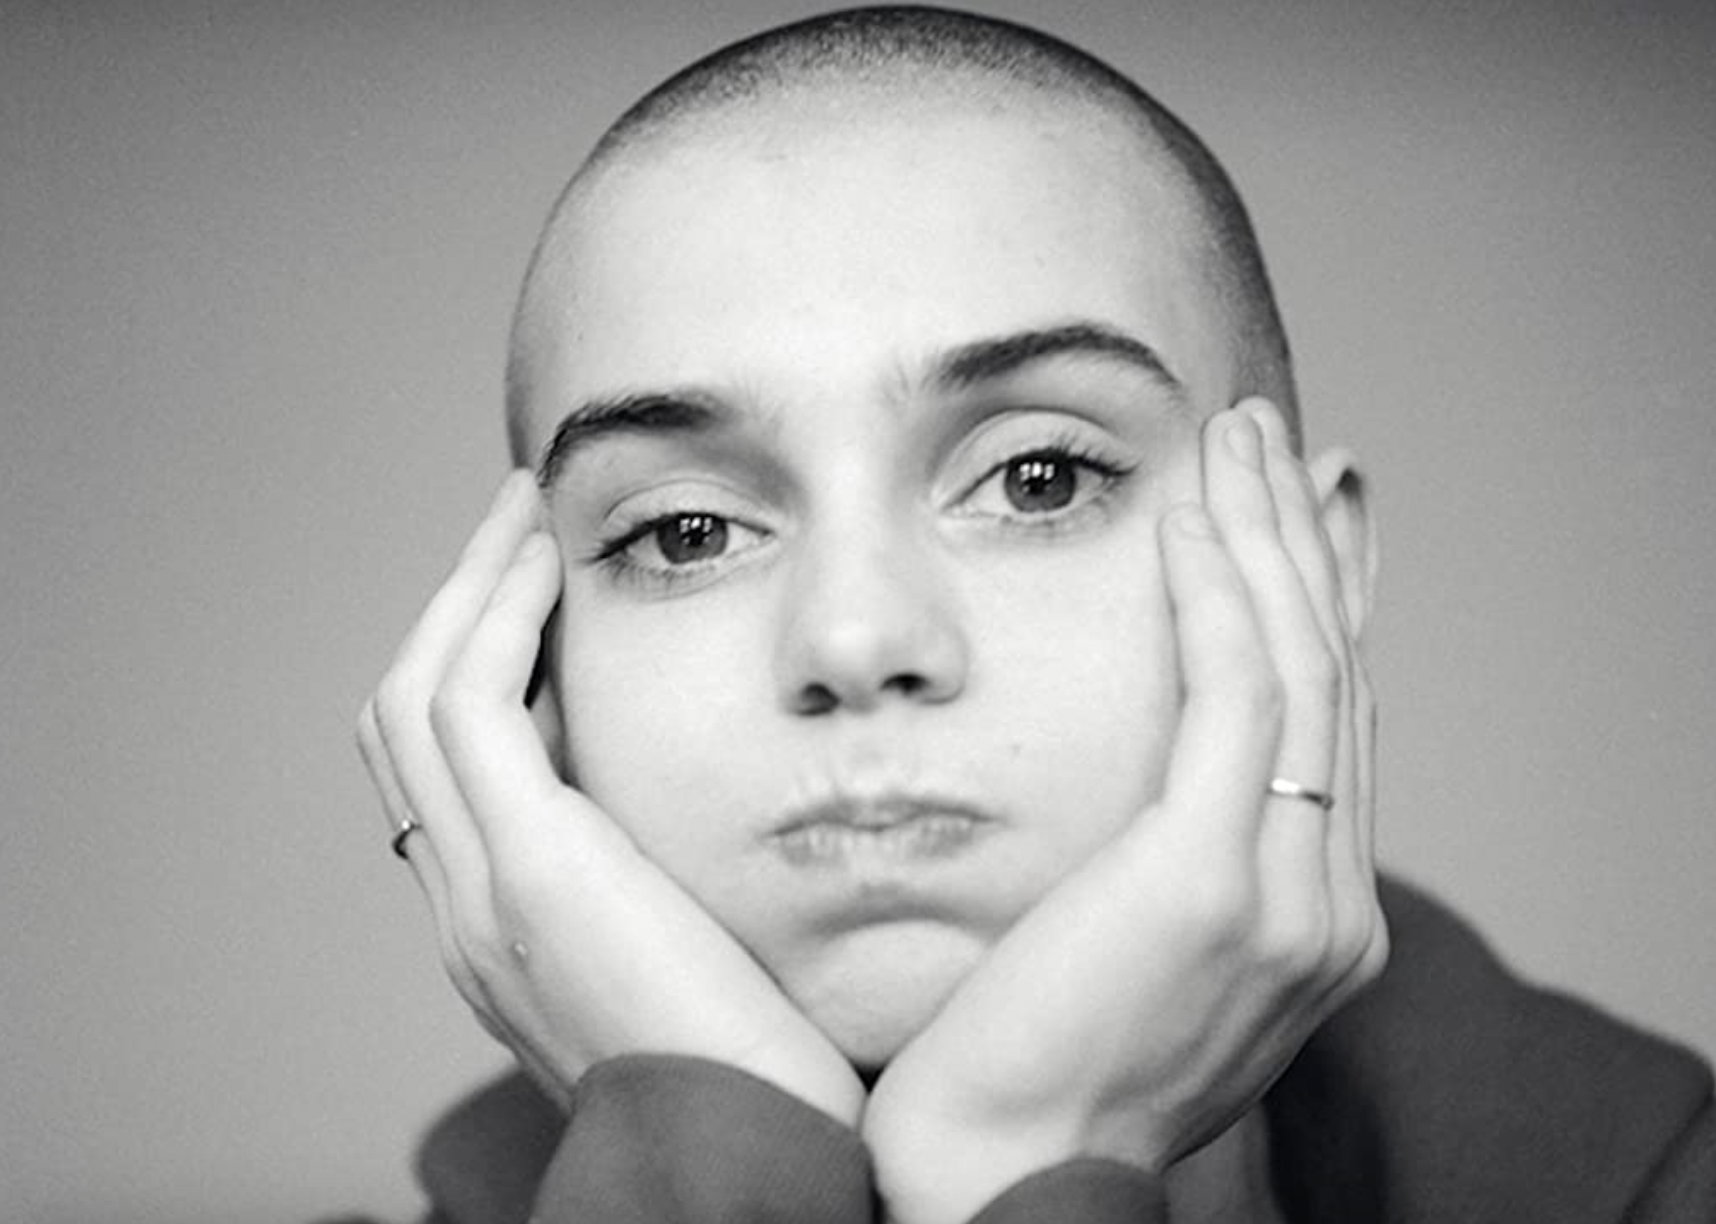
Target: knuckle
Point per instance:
(1374, 959)
(397, 702)
(1365, 954)
(460, 972)
(449, 708)
(523, 888)
(476, 949)
(1259, 697)
(491, 1023)
(1220, 906)
(1296, 945)
(1320, 674)
(1349, 938)
(368, 733)
(469, 990)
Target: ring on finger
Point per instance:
(1287, 789)
(406, 828)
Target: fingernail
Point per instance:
(1191, 520)
(1243, 441)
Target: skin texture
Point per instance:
(762, 286)
(1123, 673)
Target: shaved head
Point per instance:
(860, 367)
(859, 65)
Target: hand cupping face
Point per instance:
(947, 671)
(864, 635)
(1153, 995)
(569, 945)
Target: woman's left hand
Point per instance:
(1151, 998)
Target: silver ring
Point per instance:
(406, 828)
(1292, 790)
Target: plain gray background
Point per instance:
(256, 267)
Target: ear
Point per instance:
(1342, 492)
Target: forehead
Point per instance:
(825, 246)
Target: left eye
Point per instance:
(1039, 484)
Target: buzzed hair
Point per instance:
(886, 45)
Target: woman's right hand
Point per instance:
(569, 944)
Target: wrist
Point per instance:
(831, 1088)
(945, 1171)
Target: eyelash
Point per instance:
(1078, 452)
(615, 555)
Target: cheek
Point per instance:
(654, 704)
(1078, 671)
(1065, 720)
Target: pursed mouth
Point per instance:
(888, 829)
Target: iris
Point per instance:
(687, 538)
(1040, 483)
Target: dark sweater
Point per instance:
(1449, 1091)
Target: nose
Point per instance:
(866, 625)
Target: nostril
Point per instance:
(816, 699)
(822, 698)
(907, 684)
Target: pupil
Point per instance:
(692, 537)
(1040, 483)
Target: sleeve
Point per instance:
(1682, 1189)
(659, 1139)
(1088, 1191)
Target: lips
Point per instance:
(885, 829)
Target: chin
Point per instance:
(872, 990)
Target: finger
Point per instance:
(1352, 866)
(449, 615)
(1364, 759)
(403, 697)
(479, 987)
(482, 723)
(406, 693)
(1353, 912)
(1299, 519)
(1294, 911)
(1230, 727)
(1237, 492)
(424, 867)
(419, 854)
(394, 808)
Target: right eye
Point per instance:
(686, 538)
(674, 546)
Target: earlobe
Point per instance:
(1343, 494)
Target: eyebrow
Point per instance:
(985, 360)
(653, 413)
(959, 369)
